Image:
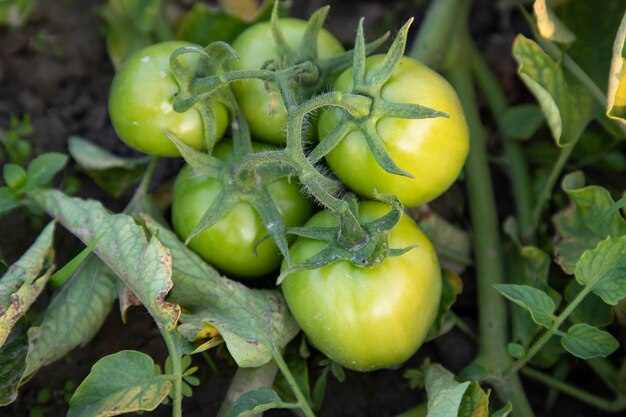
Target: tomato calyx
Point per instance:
(371, 85)
(371, 252)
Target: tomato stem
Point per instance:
(177, 372)
(603, 404)
(518, 168)
(284, 369)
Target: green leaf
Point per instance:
(144, 266)
(14, 13)
(14, 176)
(586, 342)
(258, 401)
(111, 172)
(595, 28)
(522, 121)
(516, 350)
(444, 393)
(131, 26)
(319, 389)
(121, 383)
(204, 24)
(21, 284)
(41, 170)
(604, 269)
(255, 324)
(12, 363)
(8, 200)
(586, 222)
(592, 310)
(536, 301)
(74, 316)
(616, 105)
(567, 105)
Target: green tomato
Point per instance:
(265, 110)
(432, 150)
(229, 243)
(366, 318)
(140, 103)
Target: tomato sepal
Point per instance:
(374, 250)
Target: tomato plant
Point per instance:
(366, 318)
(262, 104)
(140, 104)
(231, 243)
(432, 150)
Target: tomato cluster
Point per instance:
(363, 317)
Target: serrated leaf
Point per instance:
(43, 168)
(21, 284)
(74, 316)
(566, 104)
(14, 176)
(8, 200)
(257, 401)
(444, 393)
(587, 221)
(586, 342)
(616, 105)
(539, 304)
(253, 323)
(549, 25)
(145, 266)
(120, 383)
(12, 363)
(604, 269)
(522, 121)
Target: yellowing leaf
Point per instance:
(616, 105)
(549, 25)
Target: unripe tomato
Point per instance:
(140, 103)
(229, 244)
(366, 318)
(265, 111)
(432, 150)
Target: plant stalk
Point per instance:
(518, 168)
(600, 403)
(177, 373)
(302, 401)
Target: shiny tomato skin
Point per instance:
(366, 318)
(264, 111)
(432, 150)
(229, 244)
(140, 103)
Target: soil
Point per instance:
(56, 70)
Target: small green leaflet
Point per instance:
(604, 269)
(588, 342)
(537, 302)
